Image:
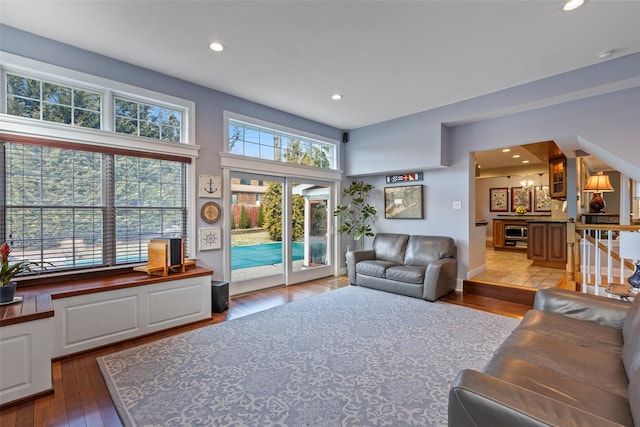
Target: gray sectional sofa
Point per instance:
(417, 266)
(574, 360)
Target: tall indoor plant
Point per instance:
(357, 214)
(8, 271)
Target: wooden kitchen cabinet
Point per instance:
(558, 177)
(510, 234)
(547, 244)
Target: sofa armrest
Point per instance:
(354, 257)
(440, 278)
(477, 399)
(604, 311)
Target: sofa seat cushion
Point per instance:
(564, 328)
(596, 367)
(406, 273)
(374, 267)
(561, 388)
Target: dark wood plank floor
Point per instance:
(81, 397)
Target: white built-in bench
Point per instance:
(55, 321)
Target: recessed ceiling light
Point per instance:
(216, 46)
(336, 96)
(605, 54)
(572, 5)
(506, 150)
(525, 161)
(516, 156)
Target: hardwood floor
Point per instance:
(81, 397)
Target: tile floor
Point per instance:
(513, 268)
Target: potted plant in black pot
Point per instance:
(357, 214)
(8, 271)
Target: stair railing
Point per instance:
(597, 263)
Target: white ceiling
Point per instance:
(388, 58)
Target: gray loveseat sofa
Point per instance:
(573, 361)
(416, 266)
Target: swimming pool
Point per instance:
(248, 256)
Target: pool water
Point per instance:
(248, 256)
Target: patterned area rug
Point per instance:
(349, 357)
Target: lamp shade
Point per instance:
(630, 245)
(598, 183)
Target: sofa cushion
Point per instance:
(374, 267)
(631, 336)
(406, 273)
(561, 388)
(421, 250)
(390, 247)
(564, 328)
(585, 364)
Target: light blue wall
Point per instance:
(565, 108)
(606, 125)
(210, 104)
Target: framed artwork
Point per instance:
(209, 186)
(499, 199)
(404, 202)
(210, 238)
(542, 199)
(210, 212)
(520, 196)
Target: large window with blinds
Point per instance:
(74, 207)
(87, 177)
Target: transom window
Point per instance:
(151, 121)
(60, 103)
(251, 140)
(52, 102)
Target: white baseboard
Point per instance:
(478, 270)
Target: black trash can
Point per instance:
(219, 296)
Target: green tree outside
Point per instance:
(243, 222)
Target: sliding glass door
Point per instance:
(280, 231)
(311, 243)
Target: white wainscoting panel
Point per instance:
(25, 367)
(95, 320)
(92, 320)
(171, 305)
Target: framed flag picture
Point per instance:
(405, 177)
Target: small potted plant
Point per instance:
(8, 271)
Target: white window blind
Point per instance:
(83, 209)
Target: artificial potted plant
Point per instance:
(8, 271)
(357, 214)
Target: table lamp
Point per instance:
(630, 249)
(598, 183)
